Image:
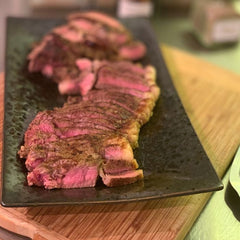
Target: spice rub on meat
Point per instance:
(93, 135)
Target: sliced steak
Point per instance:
(100, 128)
(88, 35)
(93, 134)
(120, 179)
(66, 166)
(75, 161)
(114, 77)
(107, 119)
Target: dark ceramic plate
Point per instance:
(170, 153)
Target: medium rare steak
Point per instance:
(75, 162)
(126, 76)
(123, 178)
(92, 135)
(88, 35)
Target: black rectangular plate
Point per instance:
(170, 153)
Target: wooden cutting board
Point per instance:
(211, 97)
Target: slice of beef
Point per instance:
(39, 152)
(54, 126)
(39, 129)
(109, 76)
(122, 178)
(63, 163)
(98, 17)
(84, 64)
(127, 77)
(133, 51)
(140, 109)
(50, 55)
(69, 33)
(128, 102)
(118, 155)
(66, 167)
(88, 122)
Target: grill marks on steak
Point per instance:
(89, 35)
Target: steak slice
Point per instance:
(120, 179)
(66, 166)
(114, 77)
(123, 76)
(76, 177)
(139, 109)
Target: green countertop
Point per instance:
(220, 218)
(178, 32)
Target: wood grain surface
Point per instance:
(211, 97)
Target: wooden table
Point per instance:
(211, 97)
